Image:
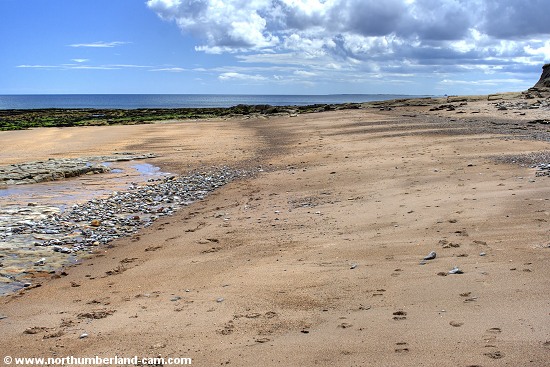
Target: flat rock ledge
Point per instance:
(58, 169)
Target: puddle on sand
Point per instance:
(83, 188)
(18, 255)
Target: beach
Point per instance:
(316, 257)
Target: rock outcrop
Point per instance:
(544, 81)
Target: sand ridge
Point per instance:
(316, 261)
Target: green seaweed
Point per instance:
(52, 117)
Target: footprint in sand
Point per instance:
(495, 355)
(401, 347)
(490, 336)
(399, 315)
(153, 248)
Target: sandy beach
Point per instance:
(317, 260)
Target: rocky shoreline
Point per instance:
(38, 240)
(50, 117)
(61, 168)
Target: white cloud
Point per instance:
(99, 44)
(304, 73)
(239, 76)
(485, 82)
(355, 29)
(365, 39)
(539, 48)
(223, 25)
(172, 69)
(80, 60)
(80, 66)
(36, 66)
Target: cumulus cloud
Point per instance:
(224, 25)
(371, 36)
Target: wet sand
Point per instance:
(316, 261)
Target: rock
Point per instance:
(34, 330)
(456, 270)
(544, 81)
(121, 214)
(220, 300)
(57, 169)
(430, 256)
(83, 335)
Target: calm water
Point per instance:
(132, 101)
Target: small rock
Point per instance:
(220, 300)
(95, 223)
(353, 266)
(430, 256)
(83, 335)
(34, 330)
(482, 254)
(455, 270)
(177, 298)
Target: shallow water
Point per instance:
(29, 203)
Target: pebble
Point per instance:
(122, 214)
(220, 300)
(456, 270)
(430, 256)
(482, 254)
(83, 335)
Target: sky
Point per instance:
(272, 46)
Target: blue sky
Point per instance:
(272, 46)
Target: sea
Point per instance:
(136, 101)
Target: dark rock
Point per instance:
(544, 81)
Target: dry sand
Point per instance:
(314, 262)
